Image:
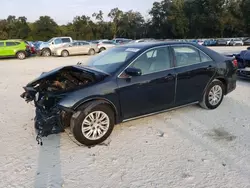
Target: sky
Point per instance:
(63, 11)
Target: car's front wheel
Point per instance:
(46, 52)
(93, 126)
(213, 96)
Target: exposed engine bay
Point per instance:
(48, 90)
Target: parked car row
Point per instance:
(219, 42)
(66, 46)
(57, 46)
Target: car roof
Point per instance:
(150, 44)
(12, 40)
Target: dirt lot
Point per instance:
(188, 147)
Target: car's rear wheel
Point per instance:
(214, 95)
(21, 55)
(93, 126)
(65, 53)
(91, 52)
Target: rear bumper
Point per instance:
(231, 85)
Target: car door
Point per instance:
(74, 48)
(9, 49)
(56, 44)
(194, 70)
(2, 49)
(85, 46)
(154, 90)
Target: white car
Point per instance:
(236, 42)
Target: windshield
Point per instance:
(50, 40)
(111, 60)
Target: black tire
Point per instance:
(102, 49)
(65, 53)
(46, 52)
(21, 55)
(91, 52)
(76, 124)
(205, 100)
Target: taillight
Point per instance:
(235, 62)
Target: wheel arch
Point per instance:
(92, 102)
(65, 50)
(223, 80)
(46, 48)
(20, 51)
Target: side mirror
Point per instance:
(53, 43)
(133, 71)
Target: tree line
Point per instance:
(168, 19)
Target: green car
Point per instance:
(14, 48)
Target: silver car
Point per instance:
(236, 42)
(76, 48)
(104, 44)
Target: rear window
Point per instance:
(64, 40)
(107, 42)
(1, 44)
(11, 43)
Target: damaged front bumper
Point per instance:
(47, 121)
(244, 73)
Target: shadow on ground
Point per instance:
(48, 172)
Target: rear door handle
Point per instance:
(169, 77)
(210, 67)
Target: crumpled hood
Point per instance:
(54, 71)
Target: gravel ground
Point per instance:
(188, 147)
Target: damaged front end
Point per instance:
(48, 90)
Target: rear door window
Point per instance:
(186, 55)
(84, 43)
(1, 44)
(204, 57)
(107, 42)
(10, 43)
(65, 40)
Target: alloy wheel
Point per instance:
(21, 55)
(215, 95)
(95, 125)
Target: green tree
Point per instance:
(45, 28)
(3, 29)
(115, 16)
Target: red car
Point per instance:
(31, 47)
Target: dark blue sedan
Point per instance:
(128, 82)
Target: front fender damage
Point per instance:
(48, 91)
